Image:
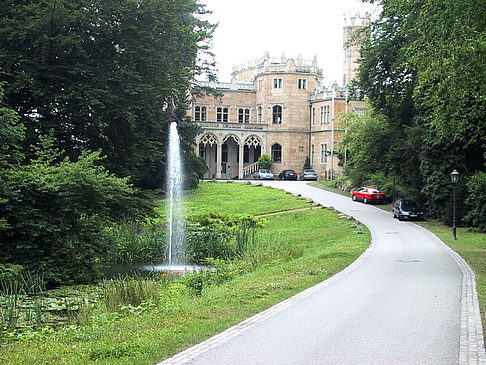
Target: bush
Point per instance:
(209, 236)
(57, 214)
(265, 161)
(476, 201)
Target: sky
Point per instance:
(248, 28)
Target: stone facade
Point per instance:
(276, 106)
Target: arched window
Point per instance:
(277, 114)
(277, 153)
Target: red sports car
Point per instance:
(368, 194)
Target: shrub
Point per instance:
(209, 236)
(265, 161)
(476, 201)
(57, 213)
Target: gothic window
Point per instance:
(222, 114)
(277, 153)
(277, 114)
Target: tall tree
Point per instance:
(99, 74)
(423, 67)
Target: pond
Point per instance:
(111, 271)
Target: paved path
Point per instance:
(409, 299)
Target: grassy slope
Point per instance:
(327, 243)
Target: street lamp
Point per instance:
(454, 180)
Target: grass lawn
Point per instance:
(470, 245)
(319, 244)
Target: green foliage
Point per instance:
(422, 70)
(129, 292)
(448, 50)
(476, 201)
(12, 133)
(136, 242)
(100, 73)
(209, 236)
(57, 214)
(265, 161)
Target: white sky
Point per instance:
(248, 28)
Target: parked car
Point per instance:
(407, 209)
(308, 174)
(263, 174)
(287, 175)
(368, 194)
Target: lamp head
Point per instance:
(455, 176)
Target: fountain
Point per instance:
(175, 246)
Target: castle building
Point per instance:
(276, 106)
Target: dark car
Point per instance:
(407, 209)
(287, 175)
(308, 174)
(368, 194)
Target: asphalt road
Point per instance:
(400, 303)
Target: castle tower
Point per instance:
(351, 44)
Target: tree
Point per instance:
(99, 74)
(265, 161)
(57, 214)
(422, 67)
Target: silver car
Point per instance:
(308, 174)
(263, 174)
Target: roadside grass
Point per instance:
(318, 243)
(470, 245)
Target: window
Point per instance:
(323, 152)
(222, 114)
(327, 113)
(277, 114)
(313, 116)
(312, 155)
(322, 115)
(277, 153)
(302, 84)
(202, 151)
(260, 110)
(200, 113)
(277, 83)
(243, 115)
(260, 85)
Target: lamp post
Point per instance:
(454, 180)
